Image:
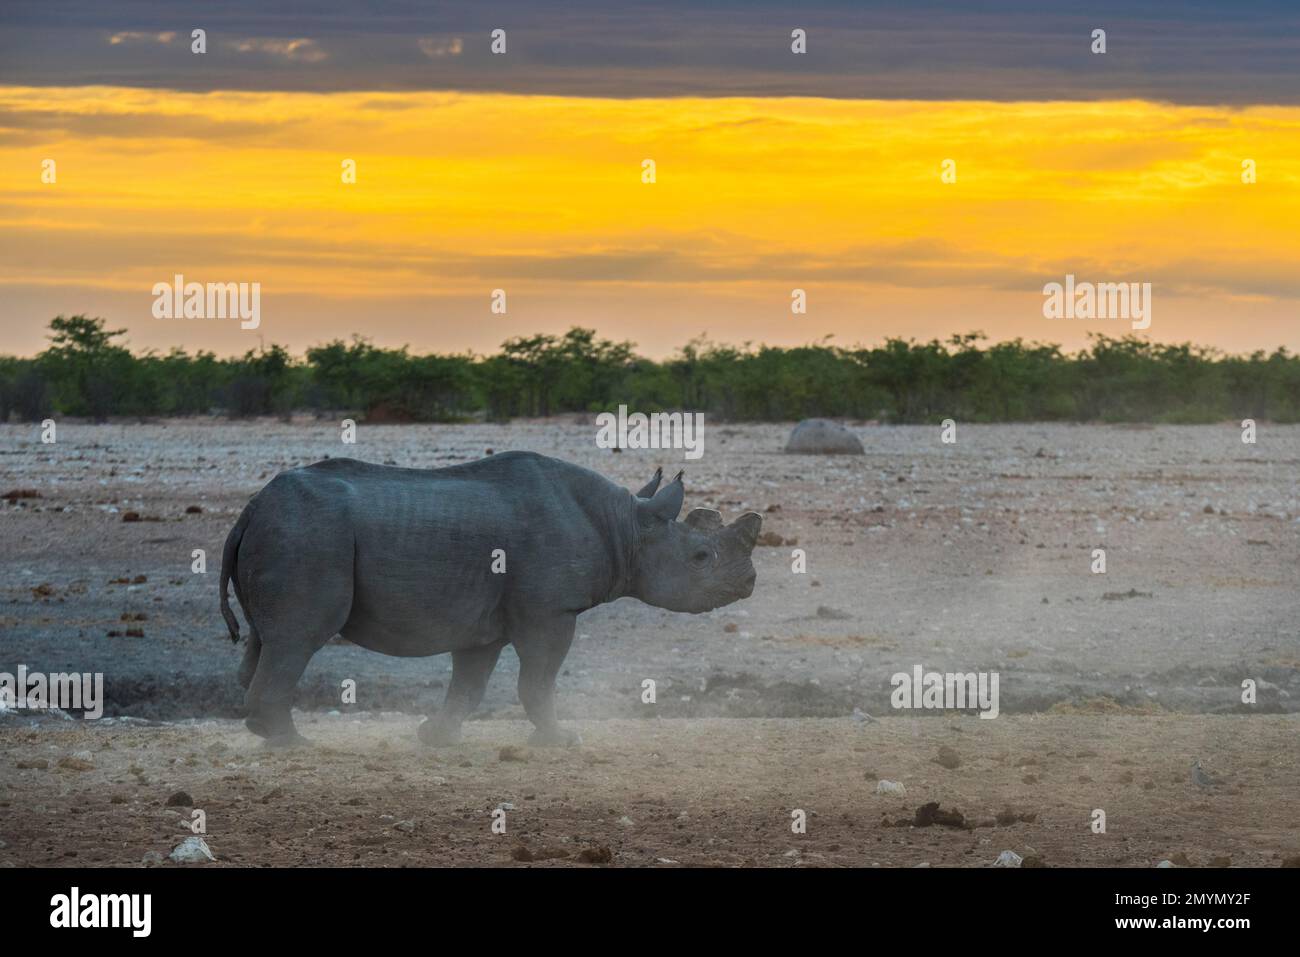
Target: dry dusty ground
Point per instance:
(973, 556)
(712, 791)
(967, 557)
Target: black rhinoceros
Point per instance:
(509, 549)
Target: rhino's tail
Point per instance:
(229, 556)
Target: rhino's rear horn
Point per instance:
(648, 490)
(665, 506)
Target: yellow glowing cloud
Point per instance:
(458, 193)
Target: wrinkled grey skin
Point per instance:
(400, 561)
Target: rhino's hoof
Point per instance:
(435, 735)
(557, 738)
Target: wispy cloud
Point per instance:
(434, 47)
(135, 36)
(1210, 52)
(301, 49)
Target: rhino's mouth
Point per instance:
(743, 591)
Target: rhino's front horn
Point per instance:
(705, 519)
(748, 525)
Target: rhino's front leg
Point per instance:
(541, 653)
(470, 670)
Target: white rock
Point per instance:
(1008, 859)
(890, 787)
(192, 850)
(823, 437)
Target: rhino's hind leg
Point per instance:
(285, 652)
(541, 654)
(248, 667)
(269, 700)
(470, 670)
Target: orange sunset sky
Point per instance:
(460, 192)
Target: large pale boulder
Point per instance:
(823, 437)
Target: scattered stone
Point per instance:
(1181, 860)
(151, 857)
(1292, 861)
(1009, 859)
(193, 510)
(35, 764)
(43, 590)
(527, 855)
(832, 614)
(930, 814)
(514, 752)
(1165, 864)
(1221, 861)
(731, 628)
(16, 493)
(192, 850)
(595, 855)
(130, 516)
(890, 788)
(823, 437)
(1032, 860)
(180, 799)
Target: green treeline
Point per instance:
(85, 372)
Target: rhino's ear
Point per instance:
(666, 505)
(705, 519)
(747, 527)
(648, 490)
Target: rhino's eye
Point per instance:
(701, 555)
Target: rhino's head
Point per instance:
(694, 565)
